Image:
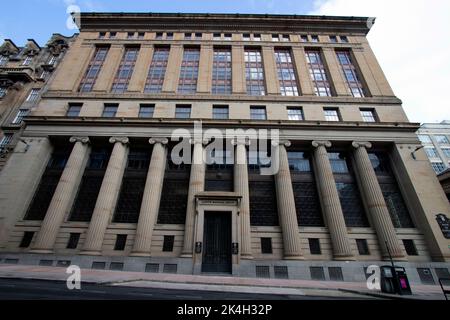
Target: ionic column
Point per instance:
(241, 187)
(331, 204)
(151, 198)
(286, 205)
(196, 185)
(63, 196)
(375, 202)
(107, 197)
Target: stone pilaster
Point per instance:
(241, 187)
(330, 202)
(286, 206)
(205, 69)
(238, 70)
(140, 72)
(304, 78)
(63, 196)
(109, 69)
(334, 68)
(270, 71)
(196, 185)
(151, 198)
(375, 202)
(107, 197)
(172, 76)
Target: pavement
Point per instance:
(224, 284)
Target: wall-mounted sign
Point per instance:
(444, 224)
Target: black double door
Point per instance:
(217, 242)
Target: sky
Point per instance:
(411, 38)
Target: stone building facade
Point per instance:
(99, 187)
(24, 73)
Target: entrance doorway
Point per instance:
(217, 242)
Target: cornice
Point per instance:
(209, 97)
(222, 124)
(259, 22)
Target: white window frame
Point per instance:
(34, 95)
(22, 113)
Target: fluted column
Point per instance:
(331, 204)
(107, 197)
(196, 185)
(151, 198)
(63, 196)
(375, 202)
(241, 187)
(286, 206)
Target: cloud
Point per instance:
(411, 39)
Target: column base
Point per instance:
(41, 251)
(344, 258)
(140, 254)
(296, 257)
(90, 253)
(246, 256)
(186, 255)
(397, 258)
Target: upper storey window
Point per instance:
(88, 81)
(318, 73)
(344, 39)
(217, 36)
(256, 37)
(169, 36)
(333, 39)
(188, 36)
(285, 37)
(189, 71)
(354, 84)
(286, 73)
(27, 61)
(303, 38)
(125, 71)
(275, 37)
(227, 37)
(3, 60)
(314, 38)
(246, 37)
(221, 79)
(102, 35)
(157, 71)
(254, 72)
(112, 35)
(159, 36)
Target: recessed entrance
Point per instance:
(217, 242)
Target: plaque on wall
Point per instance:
(444, 224)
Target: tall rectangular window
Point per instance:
(121, 241)
(368, 115)
(354, 84)
(221, 76)
(254, 72)
(286, 72)
(2, 92)
(6, 140)
(26, 239)
(27, 61)
(295, 114)
(110, 110)
(73, 240)
(93, 70)
(189, 71)
(74, 109)
(146, 110)
(125, 71)
(168, 243)
(157, 71)
(220, 112)
(22, 113)
(3, 60)
(183, 112)
(314, 246)
(410, 247)
(441, 139)
(34, 95)
(258, 113)
(331, 114)
(363, 248)
(266, 245)
(318, 73)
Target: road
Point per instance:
(24, 289)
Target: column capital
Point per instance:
(83, 140)
(162, 141)
(361, 144)
(123, 140)
(326, 144)
(285, 143)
